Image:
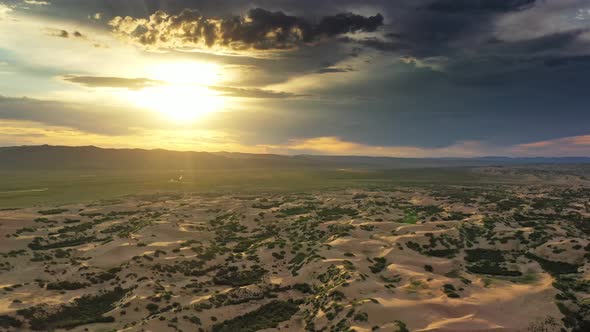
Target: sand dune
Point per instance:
(329, 260)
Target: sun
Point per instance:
(183, 95)
(179, 103)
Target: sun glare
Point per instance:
(184, 95)
(180, 103)
(186, 73)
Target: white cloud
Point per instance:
(95, 16)
(545, 18)
(4, 10)
(583, 14)
(36, 2)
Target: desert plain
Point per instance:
(428, 257)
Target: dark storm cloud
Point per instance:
(426, 28)
(376, 43)
(260, 29)
(112, 82)
(566, 60)
(499, 71)
(414, 27)
(479, 5)
(559, 41)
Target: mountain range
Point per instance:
(90, 157)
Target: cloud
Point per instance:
(63, 33)
(252, 93)
(430, 77)
(112, 82)
(330, 70)
(74, 35)
(98, 119)
(142, 83)
(583, 14)
(567, 146)
(559, 41)
(37, 3)
(577, 146)
(4, 11)
(16, 132)
(332, 145)
(377, 43)
(479, 5)
(260, 29)
(566, 60)
(428, 28)
(26, 120)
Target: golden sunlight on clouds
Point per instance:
(18, 132)
(570, 146)
(33, 133)
(337, 146)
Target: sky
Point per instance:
(402, 78)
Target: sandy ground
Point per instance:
(368, 266)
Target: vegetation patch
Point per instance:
(267, 316)
(554, 267)
(76, 229)
(85, 310)
(447, 253)
(492, 268)
(9, 321)
(73, 242)
(66, 285)
(232, 276)
(52, 211)
(410, 217)
(379, 264)
(336, 213)
(451, 291)
(297, 210)
(478, 255)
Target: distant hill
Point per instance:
(390, 162)
(91, 157)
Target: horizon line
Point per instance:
(290, 155)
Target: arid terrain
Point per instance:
(425, 258)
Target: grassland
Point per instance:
(36, 188)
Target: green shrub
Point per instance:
(85, 310)
(65, 285)
(554, 267)
(233, 277)
(267, 316)
(9, 321)
(379, 264)
(152, 307)
(361, 317)
(52, 211)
